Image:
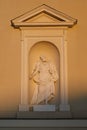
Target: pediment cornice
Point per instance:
(43, 16)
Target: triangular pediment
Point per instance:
(43, 16)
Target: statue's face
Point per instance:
(43, 58)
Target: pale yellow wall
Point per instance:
(10, 52)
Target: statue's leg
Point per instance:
(46, 101)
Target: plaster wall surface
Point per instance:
(10, 52)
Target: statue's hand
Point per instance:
(30, 77)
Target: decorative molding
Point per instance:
(44, 124)
(52, 18)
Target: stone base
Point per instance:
(44, 115)
(23, 107)
(44, 108)
(64, 107)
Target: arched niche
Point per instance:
(60, 44)
(47, 27)
(51, 52)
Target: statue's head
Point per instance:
(43, 58)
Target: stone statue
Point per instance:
(44, 75)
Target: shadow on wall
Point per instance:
(79, 106)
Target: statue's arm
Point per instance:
(34, 71)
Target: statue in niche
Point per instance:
(44, 75)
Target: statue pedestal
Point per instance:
(44, 108)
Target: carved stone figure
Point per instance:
(44, 75)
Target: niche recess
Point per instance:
(52, 54)
(44, 27)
